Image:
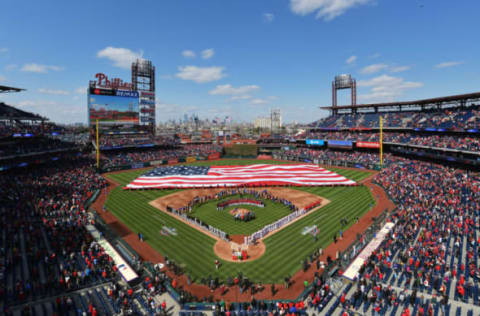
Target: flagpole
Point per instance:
(98, 150)
(381, 142)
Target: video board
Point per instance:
(113, 107)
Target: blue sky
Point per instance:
(238, 58)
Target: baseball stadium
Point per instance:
(371, 208)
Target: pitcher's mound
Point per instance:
(240, 211)
(230, 250)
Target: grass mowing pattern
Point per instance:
(223, 220)
(285, 250)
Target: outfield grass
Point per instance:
(285, 250)
(223, 220)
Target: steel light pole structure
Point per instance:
(344, 82)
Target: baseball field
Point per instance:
(194, 250)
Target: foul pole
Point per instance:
(98, 150)
(381, 142)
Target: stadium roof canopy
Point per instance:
(459, 100)
(4, 89)
(8, 112)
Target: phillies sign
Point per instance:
(115, 83)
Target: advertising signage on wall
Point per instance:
(148, 102)
(368, 144)
(99, 91)
(315, 142)
(340, 143)
(113, 92)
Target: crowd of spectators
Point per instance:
(8, 129)
(431, 255)
(129, 140)
(447, 118)
(126, 158)
(30, 146)
(47, 252)
(433, 248)
(338, 156)
(81, 139)
(17, 139)
(468, 143)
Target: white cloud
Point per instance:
(200, 74)
(373, 68)
(81, 90)
(2, 78)
(38, 68)
(325, 9)
(383, 80)
(121, 57)
(351, 59)
(386, 88)
(376, 55)
(448, 64)
(399, 68)
(237, 94)
(227, 89)
(208, 53)
(268, 17)
(3, 49)
(188, 53)
(240, 97)
(258, 101)
(53, 91)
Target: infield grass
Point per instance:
(225, 221)
(285, 250)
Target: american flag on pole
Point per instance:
(234, 176)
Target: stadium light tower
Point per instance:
(344, 82)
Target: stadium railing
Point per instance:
(348, 255)
(127, 252)
(92, 199)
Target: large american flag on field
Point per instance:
(235, 176)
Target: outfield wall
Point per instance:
(241, 150)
